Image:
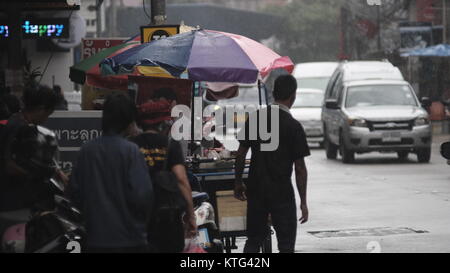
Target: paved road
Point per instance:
(378, 191)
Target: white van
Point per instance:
(314, 75)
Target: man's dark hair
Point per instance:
(39, 96)
(285, 86)
(166, 93)
(119, 111)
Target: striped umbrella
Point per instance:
(88, 70)
(206, 55)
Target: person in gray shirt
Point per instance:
(111, 185)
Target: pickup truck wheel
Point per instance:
(424, 155)
(347, 155)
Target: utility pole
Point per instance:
(113, 23)
(379, 27)
(444, 20)
(158, 10)
(98, 11)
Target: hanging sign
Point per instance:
(151, 33)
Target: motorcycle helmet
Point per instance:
(13, 240)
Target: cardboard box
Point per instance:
(232, 213)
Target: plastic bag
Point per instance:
(192, 246)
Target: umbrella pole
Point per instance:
(259, 92)
(266, 94)
(192, 119)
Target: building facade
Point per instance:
(51, 57)
(94, 15)
(251, 5)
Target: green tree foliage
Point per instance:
(311, 29)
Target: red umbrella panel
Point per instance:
(118, 82)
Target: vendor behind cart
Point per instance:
(269, 189)
(155, 120)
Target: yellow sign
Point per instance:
(151, 33)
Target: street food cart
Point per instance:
(206, 56)
(230, 213)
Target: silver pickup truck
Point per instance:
(374, 114)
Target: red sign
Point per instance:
(426, 11)
(145, 86)
(93, 46)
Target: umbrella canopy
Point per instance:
(206, 55)
(88, 71)
(442, 50)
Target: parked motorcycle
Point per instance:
(55, 225)
(208, 232)
(445, 151)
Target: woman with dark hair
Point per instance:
(39, 105)
(20, 190)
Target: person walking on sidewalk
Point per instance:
(269, 190)
(111, 185)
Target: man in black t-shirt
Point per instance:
(154, 148)
(155, 120)
(269, 189)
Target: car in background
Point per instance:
(248, 94)
(315, 75)
(307, 109)
(369, 107)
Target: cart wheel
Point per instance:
(228, 245)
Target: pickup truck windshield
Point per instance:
(375, 95)
(308, 100)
